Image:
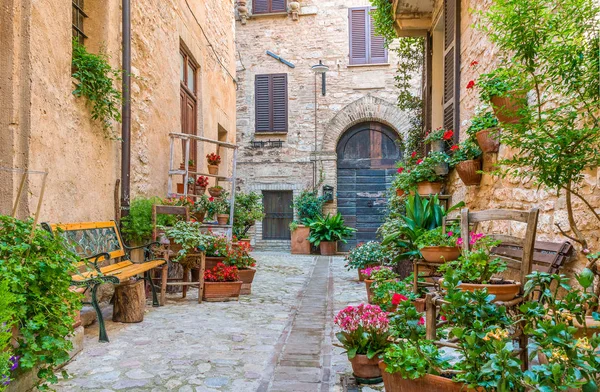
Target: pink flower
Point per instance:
(586, 251)
(397, 298)
(421, 321)
(450, 234)
(471, 84)
(459, 242)
(442, 318)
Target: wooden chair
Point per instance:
(523, 265)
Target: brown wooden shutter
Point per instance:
(262, 103)
(452, 66)
(426, 85)
(278, 6)
(358, 26)
(280, 102)
(378, 52)
(261, 6)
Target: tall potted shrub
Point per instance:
(248, 209)
(325, 232)
(308, 206)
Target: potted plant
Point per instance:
(403, 182)
(308, 206)
(364, 333)
(484, 128)
(375, 275)
(221, 283)
(217, 248)
(215, 191)
(476, 269)
(466, 159)
(388, 294)
(248, 209)
(189, 239)
(439, 246)
(200, 207)
(190, 187)
(438, 139)
(191, 166)
(239, 256)
(325, 232)
(366, 255)
(201, 184)
(213, 163)
(439, 162)
(424, 175)
(507, 100)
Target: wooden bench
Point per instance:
(98, 244)
(520, 254)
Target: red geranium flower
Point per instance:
(414, 154)
(448, 134)
(419, 161)
(455, 147)
(474, 63)
(421, 321)
(400, 169)
(397, 298)
(471, 84)
(211, 199)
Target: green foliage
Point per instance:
(188, 235)
(383, 20)
(479, 122)
(363, 255)
(437, 237)
(385, 290)
(551, 49)
(308, 206)
(38, 273)
(248, 209)
(218, 205)
(364, 330)
(500, 82)
(7, 320)
(137, 226)
(465, 151)
(382, 274)
(96, 80)
(476, 265)
(293, 226)
(329, 228)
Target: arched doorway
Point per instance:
(366, 154)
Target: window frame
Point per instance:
(270, 8)
(189, 60)
(78, 30)
(368, 33)
(271, 105)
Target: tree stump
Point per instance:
(130, 302)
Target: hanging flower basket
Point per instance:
(488, 139)
(507, 109)
(468, 171)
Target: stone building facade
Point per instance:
(419, 18)
(357, 95)
(45, 127)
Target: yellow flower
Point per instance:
(558, 355)
(497, 334)
(583, 344)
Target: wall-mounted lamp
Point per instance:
(327, 193)
(321, 69)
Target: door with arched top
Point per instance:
(366, 156)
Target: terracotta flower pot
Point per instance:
(215, 192)
(221, 291)
(211, 262)
(393, 382)
(400, 192)
(440, 254)
(368, 284)
(328, 248)
(246, 276)
(488, 139)
(507, 109)
(362, 277)
(213, 169)
(199, 216)
(222, 218)
(427, 188)
(300, 243)
(200, 190)
(468, 171)
(364, 367)
(503, 292)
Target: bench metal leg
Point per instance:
(103, 337)
(148, 279)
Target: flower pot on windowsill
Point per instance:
(440, 254)
(300, 243)
(215, 192)
(213, 169)
(247, 277)
(468, 171)
(488, 139)
(505, 291)
(328, 248)
(507, 109)
(426, 188)
(366, 368)
(222, 291)
(222, 219)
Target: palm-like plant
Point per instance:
(328, 229)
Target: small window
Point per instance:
(188, 72)
(78, 17)
(271, 103)
(268, 6)
(365, 46)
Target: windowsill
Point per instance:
(270, 133)
(369, 65)
(270, 14)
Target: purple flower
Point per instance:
(15, 362)
(5, 380)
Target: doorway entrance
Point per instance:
(366, 155)
(279, 213)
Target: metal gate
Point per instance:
(279, 213)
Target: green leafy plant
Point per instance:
(380, 274)
(201, 204)
(293, 226)
(95, 81)
(7, 320)
(465, 151)
(188, 235)
(438, 237)
(248, 209)
(364, 330)
(37, 267)
(239, 256)
(498, 83)
(217, 205)
(137, 225)
(367, 254)
(217, 245)
(385, 292)
(439, 134)
(309, 206)
(481, 121)
(330, 228)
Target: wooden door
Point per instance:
(189, 103)
(279, 213)
(367, 154)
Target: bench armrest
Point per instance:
(147, 249)
(95, 258)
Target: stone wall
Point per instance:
(354, 94)
(50, 129)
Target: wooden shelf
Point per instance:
(191, 173)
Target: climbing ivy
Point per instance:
(383, 19)
(96, 82)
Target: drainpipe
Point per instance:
(126, 110)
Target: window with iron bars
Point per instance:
(78, 17)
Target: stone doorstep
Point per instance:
(27, 381)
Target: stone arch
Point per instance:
(367, 108)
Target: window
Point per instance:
(365, 46)
(78, 16)
(268, 6)
(187, 72)
(189, 102)
(271, 106)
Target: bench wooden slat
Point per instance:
(122, 270)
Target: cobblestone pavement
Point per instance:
(277, 339)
